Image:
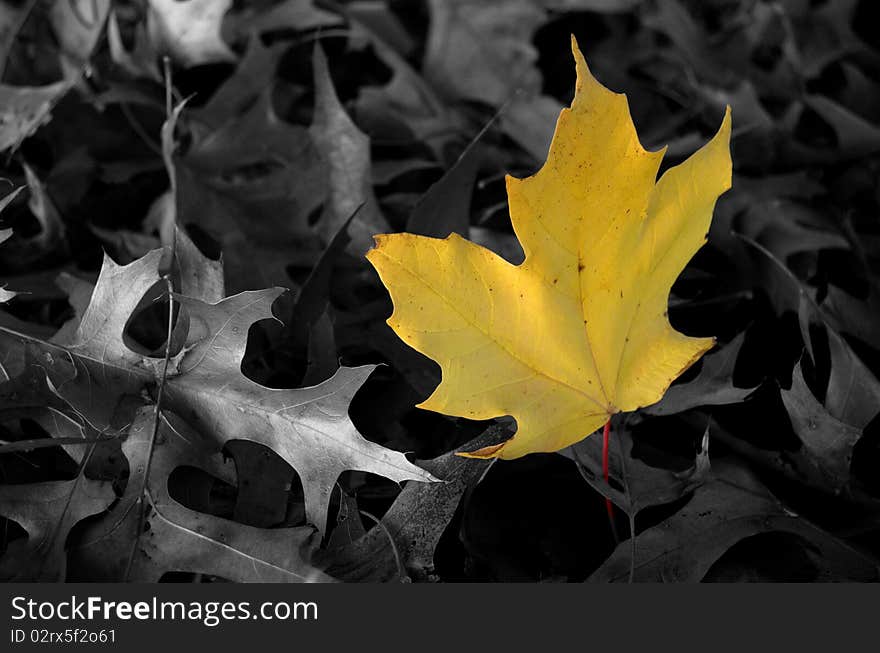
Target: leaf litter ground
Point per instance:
(759, 463)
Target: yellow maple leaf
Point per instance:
(579, 330)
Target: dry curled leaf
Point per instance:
(713, 386)
(179, 538)
(346, 151)
(308, 427)
(827, 442)
(25, 109)
(47, 511)
(728, 509)
(189, 30)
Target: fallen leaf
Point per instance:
(308, 335)
(346, 151)
(301, 422)
(140, 61)
(52, 228)
(5, 295)
(251, 183)
(526, 121)
(787, 227)
(578, 331)
(387, 170)
(414, 523)
(349, 527)
(257, 155)
(29, 396)
(12, 17)
(78, 24)
(642, 485)
(6, 234)
(849, 314)
(853, 394)
(6, 201)
(181, 539)
(713, 386)
(95, 369)
(258, 237)
(827, 441)
(406, 109)
(482, 51)
(25, 109)
(856, 137)
(287, 15)
(47, 511)
(609, 6)
(253, 75)
(724, 511)
(384, 21)
(264, 482)
(445, 206)
(189, 30)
